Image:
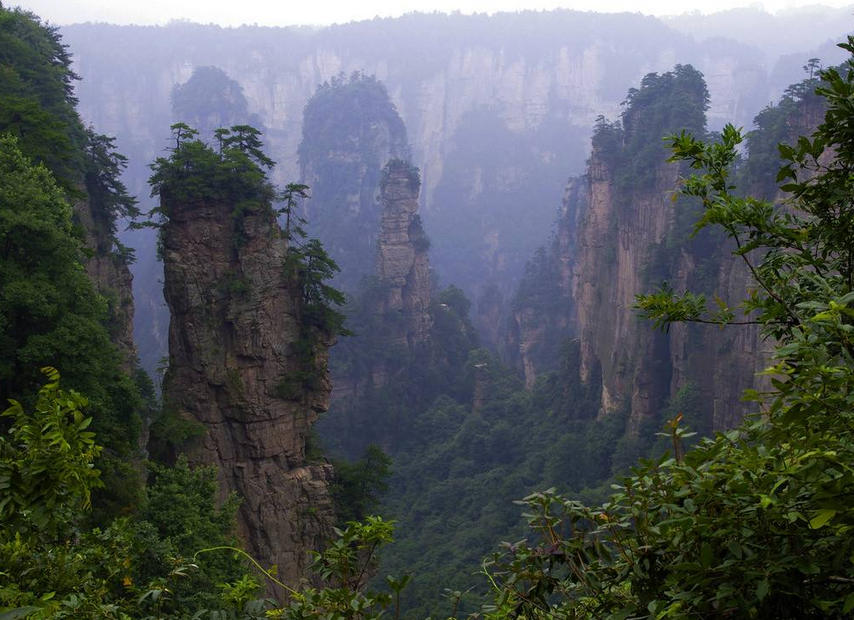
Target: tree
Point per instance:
(755, 522)
(54, 567)
(108, 196)
(50, 314)
(37, 95)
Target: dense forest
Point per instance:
(665, 393)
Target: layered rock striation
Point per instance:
(403, 267)
(530, 98)
(619, 235)
(110, 271)
(238, 367)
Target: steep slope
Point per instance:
(619, 235)
(408, 340)
(403, 269)
(626, 238)
(542, 312)
(247, 361)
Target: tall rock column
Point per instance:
(402, 264)
(237, 365)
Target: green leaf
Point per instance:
(20, 612)
(706, 555)
(821, 518)
(762, 589)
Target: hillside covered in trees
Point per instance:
(667, 398)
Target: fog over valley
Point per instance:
(305, 309)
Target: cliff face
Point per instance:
(618, 235)
(350, 130)
(540, 89)
(542, 312)
(403, 268)
(233, 340)
(110, 272)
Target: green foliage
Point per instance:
(209, 100)
(181, 505)
(412, 173)
(673, 101)
(344, 568)
(309, 266)
(755, 522)
(349, 124)
(194, 173)
(773, 126)
(51, 315)
(52, 567)
(344, 107)
(47, 462)
(37, 95)
(359, 486)
(108, 197)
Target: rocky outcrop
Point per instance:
(614, 243)
(110, 272)
(544, 86)
(237, 367)
(350, 130)
(403, 268)
(620, 235)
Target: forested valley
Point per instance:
(361, 322)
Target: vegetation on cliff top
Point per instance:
(755, 522)
(350, 129)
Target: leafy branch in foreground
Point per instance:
(344, 568)
(756, 522)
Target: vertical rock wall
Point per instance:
(111, 275)
(402, 263)
(233, 341)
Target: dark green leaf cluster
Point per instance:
(47, 462)
(345, 567)
(195, 173)
(670, 102)
(359, 486)
(54, 567)
(50, 313)
(37, 95)
(108, 196)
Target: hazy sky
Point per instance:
(289, 12)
